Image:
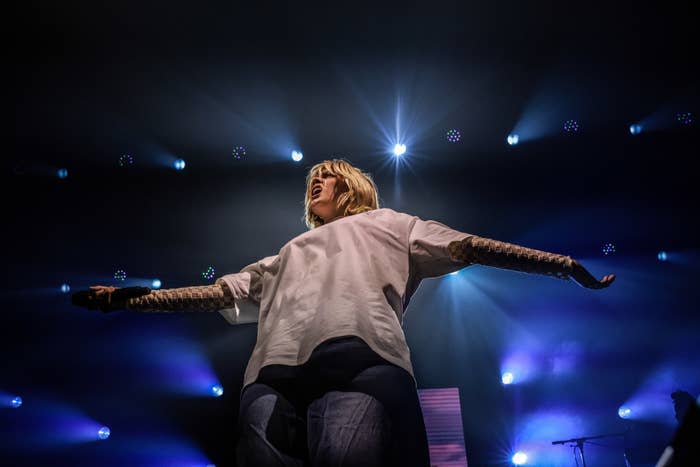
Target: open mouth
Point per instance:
(315, 192)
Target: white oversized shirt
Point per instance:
(351, 277)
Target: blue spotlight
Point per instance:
(16, 402)
(662, 256)
(120, 275)
(65, 288)
(155, 284)
(507, 378)
(103, 433)
(209, 273)
(635, 129)
(513, 139)
(608, 249)
(624, 412)
(125, 160)
(179, 164)
(217, 390)
(399, 150)
(62, 173)
(571, 126)
(519, 458)
(685, 118)
(453, 136)
(238, 152)
(297, 156)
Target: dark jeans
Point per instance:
(345, 406)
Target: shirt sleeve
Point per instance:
(428, 241)
(246, 287)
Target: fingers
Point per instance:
(605, 281)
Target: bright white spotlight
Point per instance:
(156, 284)
(624, 412)
(297, 156)
(399, 150)
(662, 256)
(179, 164)
(103, 433)
(454, 273)
(635, 129)
(65, 288)
(16, 402)
(513, 139)
(217, 390)
(507, 378)
(519, 458)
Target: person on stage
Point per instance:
(330, 380)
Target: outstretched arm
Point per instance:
(478, 250)
(198, 298)
(235, 296)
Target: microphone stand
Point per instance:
(579, 442)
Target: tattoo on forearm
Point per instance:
(478, 250)
(201, 298)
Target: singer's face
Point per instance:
(325, 189)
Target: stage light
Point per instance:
(238, 152)
(399, 150)
(179, 164)
(635, 129)
(507, 378)
(125, 160)
(155, 284)
(120, 275)
(685, 118)
(513, 139)
(62, 173)
(16, 402)
(65, 288)
(519, 458)
(453, 136)
(662, 256)
(608, 249)
(454, 273)
(217, 390)
(103, 433)
(624, 412)
(297, 156)
(571, 126)
(209, 273)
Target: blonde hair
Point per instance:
(361, 194)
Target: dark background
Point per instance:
(162, 81)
